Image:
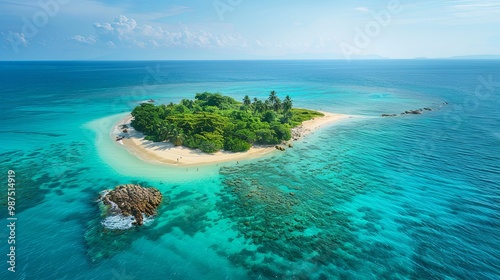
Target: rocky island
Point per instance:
(131, 200)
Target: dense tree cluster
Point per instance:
(212, 122)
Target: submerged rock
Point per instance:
(132, 200)
(410, 112)
(414, 112)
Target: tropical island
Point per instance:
(214, 128)
(212, 122)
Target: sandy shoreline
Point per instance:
(167, 153)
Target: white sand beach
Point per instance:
(167, 153)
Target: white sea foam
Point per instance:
(104, 192)
(122, 222)
(118, 222)
(116, 130)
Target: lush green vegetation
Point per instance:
(212, 122)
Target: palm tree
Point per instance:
(277, 105)
(258, 106)
(177, 137)
(187, 103)
(287, 117)
(287, 104)
(267, 105)
(164, 130)
(254, 103)
(272, 97)
(247, 101)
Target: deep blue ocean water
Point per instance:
(409, 197)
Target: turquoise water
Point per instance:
(412, 197)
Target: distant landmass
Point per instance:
(476, 57)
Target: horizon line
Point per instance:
(243, 59)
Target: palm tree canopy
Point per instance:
(272, 97)
(287, 104)
(247, 101)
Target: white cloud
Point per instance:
(362, 9)
(110, 44)
(121, 28)
(458, 12)
(85, 40)
(127, 32)
(15, 39)
(475, 4)
(474, 8)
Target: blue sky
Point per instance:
(244, 29)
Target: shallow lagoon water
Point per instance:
(414, 196)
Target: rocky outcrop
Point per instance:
(298, 132)
(132, 200)
(413, 112)
(279, 148)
